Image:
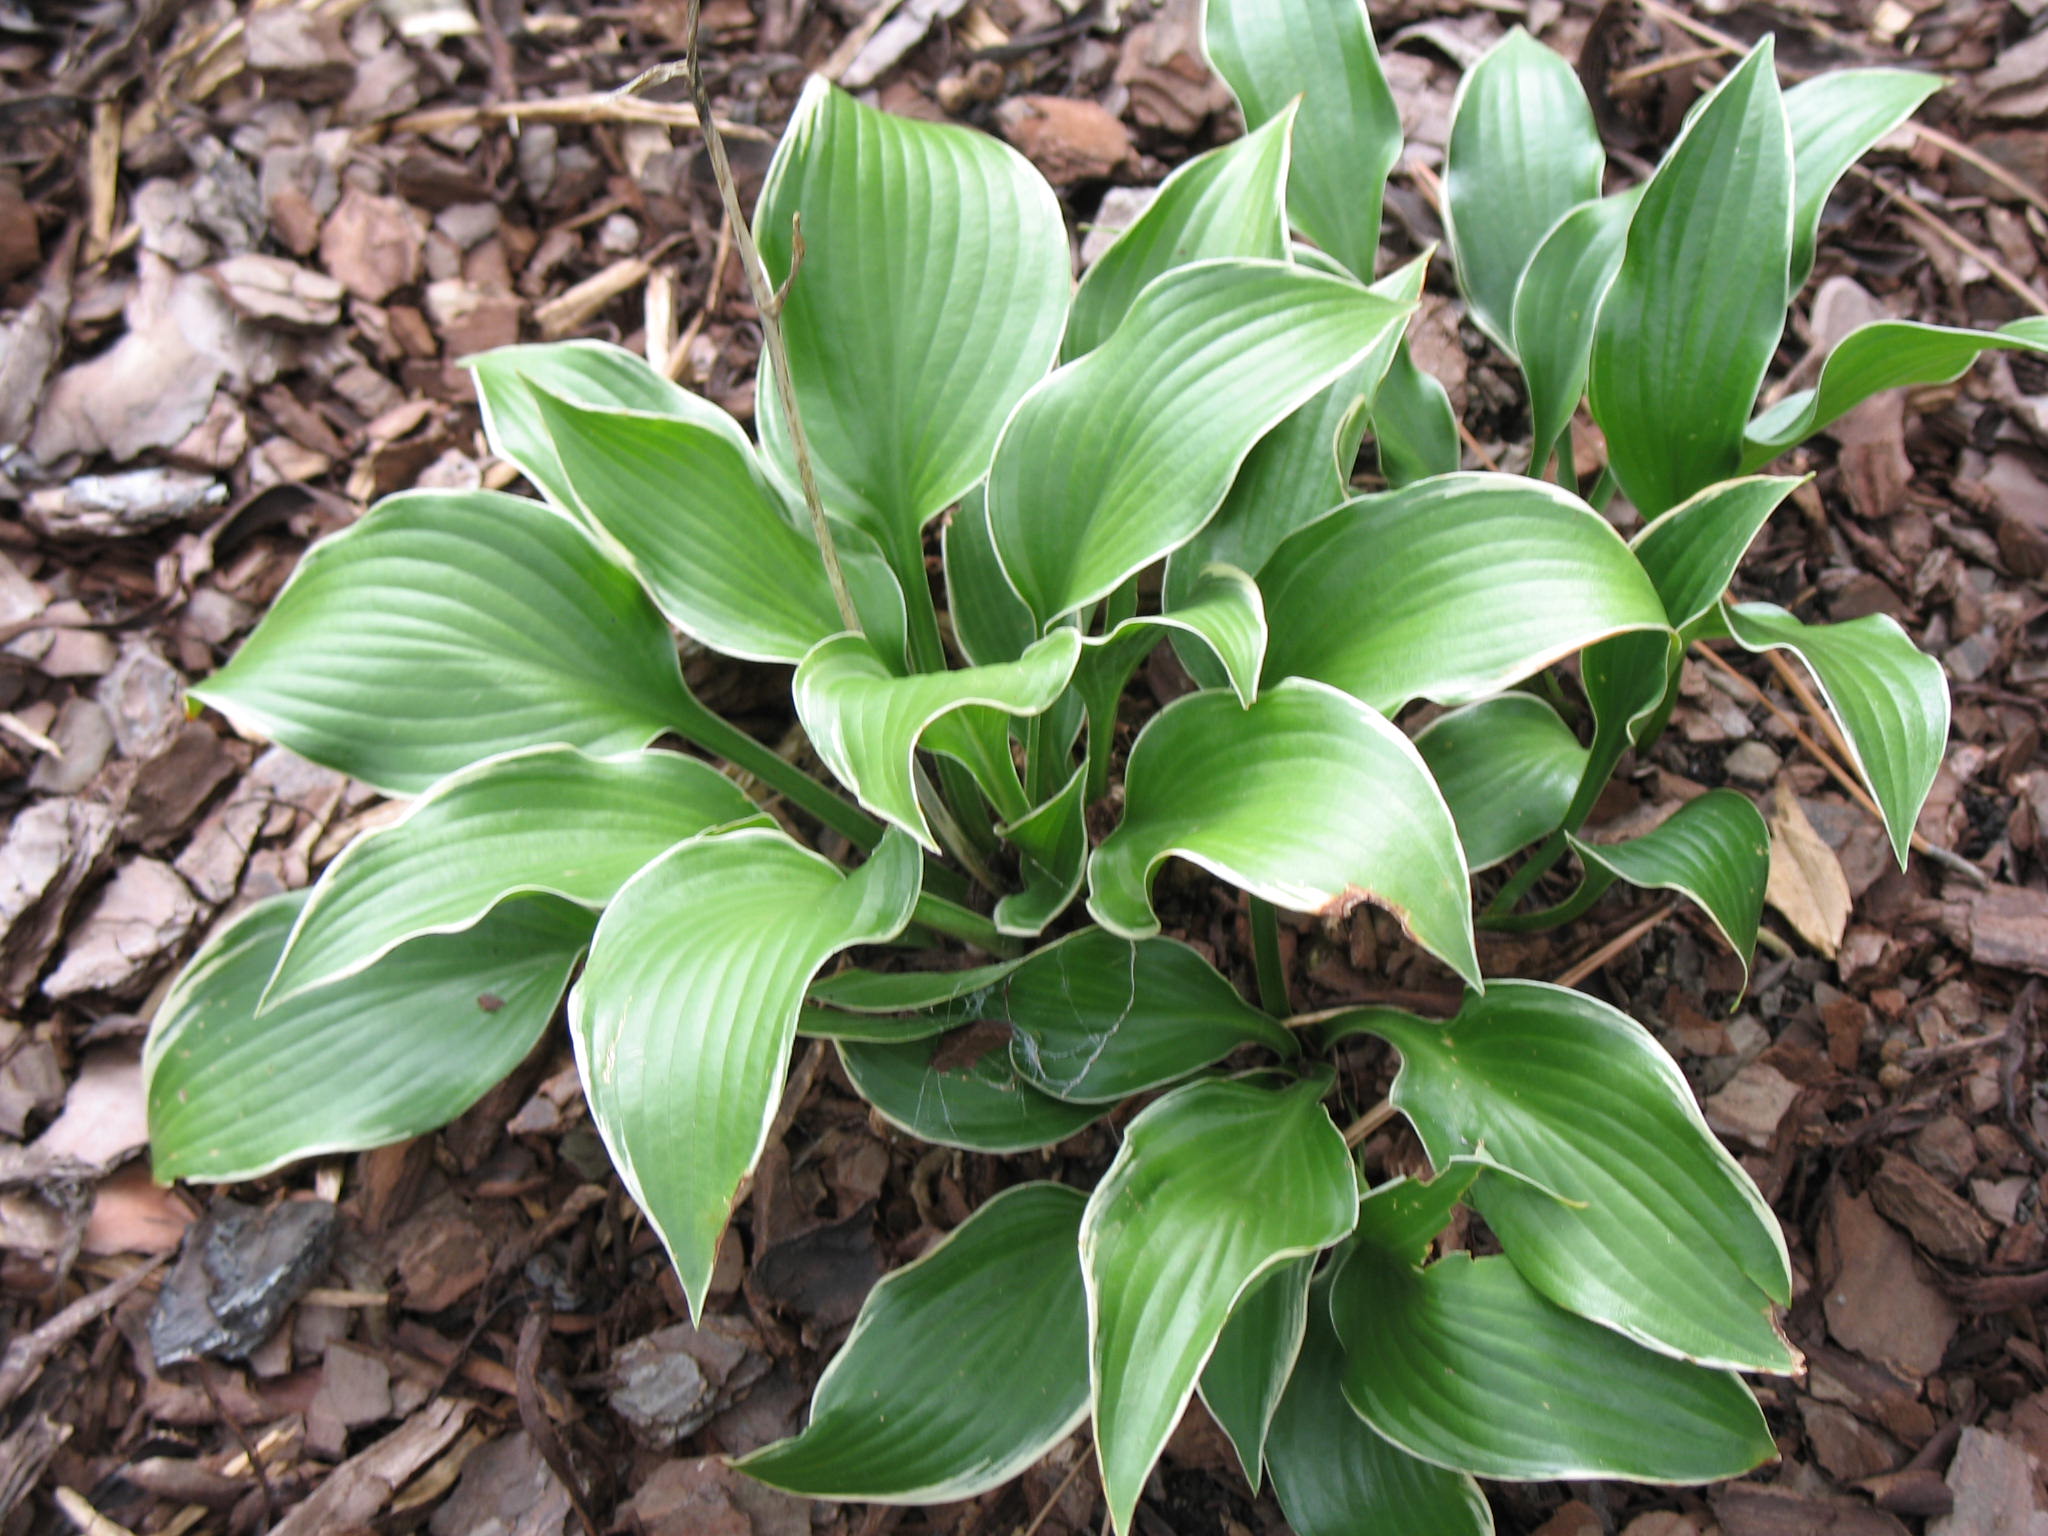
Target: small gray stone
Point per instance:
(1753, 763)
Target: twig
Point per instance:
(609, 106)
(1665, 65)
(27, 1355)
(1358, 1130)
(1983, 164)
(83, 1517)
(1811, 705)
(850, 46)
(1479, 450)
(679, 359)
(533, 1416)
(1621, 941)
(2006, 278)
(1947, 858)
(1080, 1461)
(767, 300)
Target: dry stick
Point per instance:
(1946, 858)
(1080, 1461)
(1797, 684)
(610, 107)
(1669, 62)
(768, 300)
(533, 1415)
(1614, 946)
(680, 357)
(30, 1352)
(1982, 163)
(1357, 1131)
(2000, 272)
(1722, 41)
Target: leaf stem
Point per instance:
(1539, 864)
(768, 299)
(1590, 890)
(970, 927)
(722, 738)
(1272, 974)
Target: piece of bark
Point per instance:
(354, 1492)
(122, 505)
(1753, 1509)
(105, 1115)
(1993, 1480)
(355, 1389)
(702, 1496)
(2008, 927)
(1874, 1299)
(507, 1489)
(272, 291)
(371, 245)
(52, 849)
(299, 53)
(1937, 1219)
(85, 736)
(173, 785)
(157, 382)
(145, 913)
(1843, 1444)
(1068, 140)
(1749, 1107)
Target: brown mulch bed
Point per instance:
(241, 247)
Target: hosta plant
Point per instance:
(1161, 455)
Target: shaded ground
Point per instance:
(240, 247)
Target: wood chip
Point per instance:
(1939, 1220)
(361, 1486)
(1875, 1300)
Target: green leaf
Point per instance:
(1555, 302)
(1466, 1366)
(1227, 202)
(1121, 457)
(1453, 588)
(963, 1368)
(1715, 850)
(1348, 132)
(1336, 1477)
(1223, 609)
(1052, 859)
(1889, 698)
(961, 1090)
(1414, 428)
(591, 373)
(447, 627)
(1691, 552)
(1097, 1018)
(990, 621)
(1298, 471)
(860, 991)
(396, 1051)
(1633, 1214)
(1093, 1018)
(933, 290)
(1507, 768)
(544, 819)
(1696, 310)
(687, 1009)
(1226, 788)
(1886, 354)
(1626, 680)
(1835, 119)
(1255, 1354)
(701, 526)
(1523, 152)
(1215, 1183)
(866, 722)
